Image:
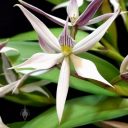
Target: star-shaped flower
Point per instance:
(80, 21)
(64, 51)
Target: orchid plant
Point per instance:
(70, 63)
(66, 49)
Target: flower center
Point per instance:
(66, 50)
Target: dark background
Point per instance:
(12, 22)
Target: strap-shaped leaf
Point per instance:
(82, 111)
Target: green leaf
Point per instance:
(124, 8)
(82, 111)
(56, 1)
(111, 35)
(32, 99)
(26, 49)
(121, 87)
(77, 83)
(31, 35)
(80, 34)
(25, 36)
(17, 124)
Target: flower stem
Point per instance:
(111, 52)
(73, 31)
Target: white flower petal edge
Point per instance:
(35, 86)
(65, 4)
(7, 88)
(115, 4)
(2, 125)
(62, 87)
(89, 41)
(72, 10)
(20, 81)
(9, 74)
(124, 65)
(87, 69)
(57, 20)
(87, 28)
(41, 61)
(45, 47)
(6, 49)
(41, 29)
(99, 18)
(61, 5)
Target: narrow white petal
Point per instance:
(87, 69)
(80, 2)
(2, 125)
(62, 88)
(7, 88)
(72, 10)
(34, 87)
(41, 29)
(20, 81)
(45, 47)
(89, 41)
(31, 70)
(99, 18)
(124, 65)
(41, 61)
(87, 28)
(6, 49)
(10, 74)
(115, 4)
(64, 4)
(54, 19)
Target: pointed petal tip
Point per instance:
(64, 4)
(16, 5)
(62, 88)
(124, 65)
(87, 69)
(89, 41)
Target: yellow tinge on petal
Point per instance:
(66, 50)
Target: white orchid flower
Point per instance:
(65, 51)
(81, 21)
(28, 88)
(124, 68)
(14, 82)
(65, 4)
(2, 125)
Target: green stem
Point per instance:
(113, 55)
(73, 32)
(107, 44)
(123, 7)
(111, 52)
